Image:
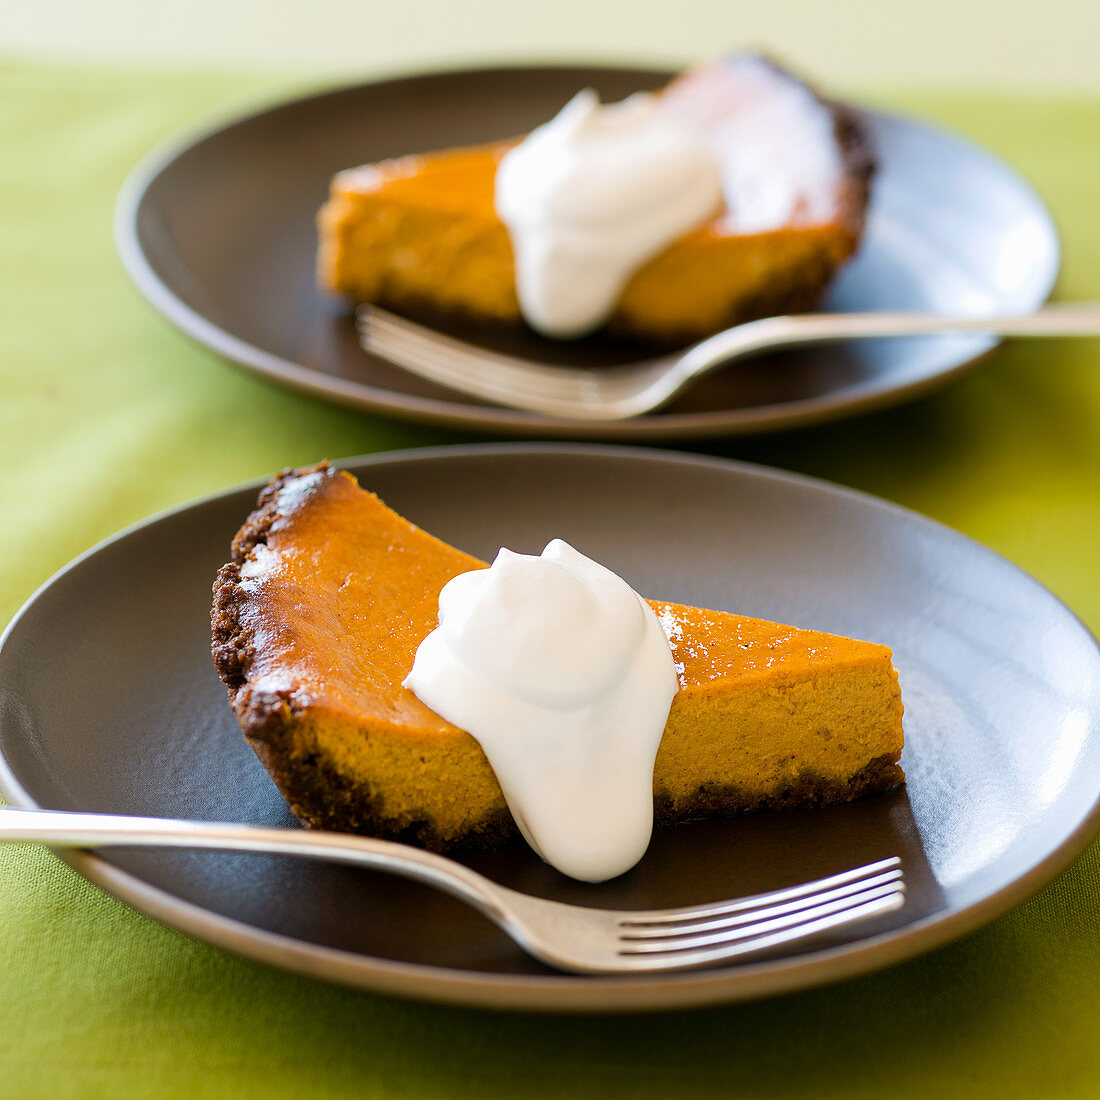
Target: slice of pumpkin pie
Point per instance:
(329, 593)
(423, 232)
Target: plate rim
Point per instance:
(553, 992)
(363, 396)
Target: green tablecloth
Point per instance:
(107, 414)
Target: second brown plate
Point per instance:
(218, 233)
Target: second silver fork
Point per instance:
(620, 392)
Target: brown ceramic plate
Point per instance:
(218, 234)
(109, 702)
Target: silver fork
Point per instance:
(616, 393)
(570, 937)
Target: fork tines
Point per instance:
(539, 387)
(709, 933)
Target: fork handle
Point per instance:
(62, 829)
(1061, 319)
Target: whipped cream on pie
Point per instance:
(779, 158)
(592, 195)
(564, 676)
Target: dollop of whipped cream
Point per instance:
(592, 195)
(564, 676)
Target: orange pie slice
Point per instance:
(329, 593)
(420, 233)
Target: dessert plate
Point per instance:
(109, 702)
(218, 233)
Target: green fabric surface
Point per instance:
(108, 414)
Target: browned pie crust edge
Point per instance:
(810, 788)
(231, 644)
(858, 152)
